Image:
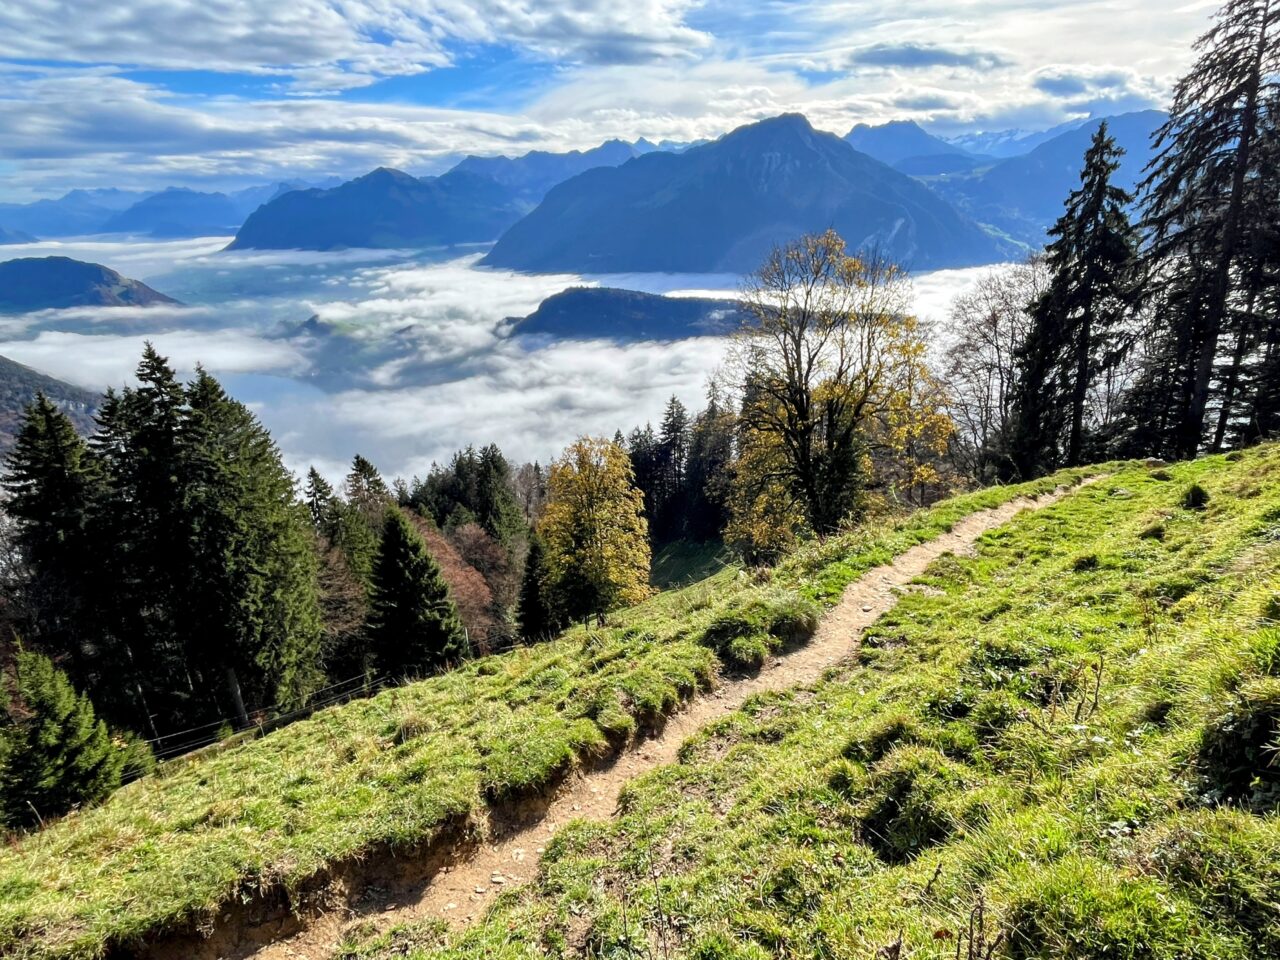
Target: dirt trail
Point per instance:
(460, 892)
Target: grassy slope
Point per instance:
(975, 752)
(396, 769)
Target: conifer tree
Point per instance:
(413, 625)
(535, 613)
(1202, 199)
(52, 482)
(252, 610)
(1075, 328)
(708, 476)
(57, 754)
(318, 495)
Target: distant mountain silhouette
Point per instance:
(626, 315)
(900, 140)
(178, 212)
(385, 208)
(43, 283)
(15, 236)
(19, 385)
(76, 213)
(529, 177)
(1003, 144)
(1024, 196)
(722, 206)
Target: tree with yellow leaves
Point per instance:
(594, 531)
(829, 367)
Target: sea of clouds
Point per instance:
(403, 357)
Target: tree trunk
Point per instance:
(1080, 390)
(1233, 376)
(233, 688)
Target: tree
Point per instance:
(1202, 197)
(319, 498)
(594, 530)
(708, 472)
(826, 342)
(986, 331)
(52, 482)
(251, 607)
(413, 626)
(536, 614)
(56, 754)
(1075, 331)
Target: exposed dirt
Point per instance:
(457, 880)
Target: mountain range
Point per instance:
(724, 205)
(1023, 196)
(15, 236)
(385, 208)
(174, 212)
(45, 283)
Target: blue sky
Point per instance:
(226, 93)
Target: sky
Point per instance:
(218, 94)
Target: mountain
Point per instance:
(44, 283)
(15, 236)
(722, 207)
(77, 213)
(18, 387)
(385, 208)
(1024, 196)
(532, 175)
(1003, 144)
(899, 140)
(627, 315)
(178, 212)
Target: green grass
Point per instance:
(396, 770)
(1077, 729)
(686, 561)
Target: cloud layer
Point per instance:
(220, 93)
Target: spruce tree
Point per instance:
(57, 754)
(52, 482)
(535, 612)
(318, 495)
(708, 476)
(1201, 201)
(252, 614)
(413, 625)
(1074, 335)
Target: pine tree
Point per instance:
(413, 625)
(1201, 198)
(536, 613)
(57, 754)
(672, 456)
(52, 483)
(1074, 335)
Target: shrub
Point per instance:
(1238, 745)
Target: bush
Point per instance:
(1238, 745)
(57, 754)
